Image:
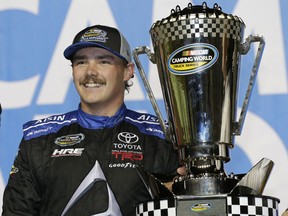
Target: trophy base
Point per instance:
(217, 205)
(207, 186)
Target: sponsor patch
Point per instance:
(67, 152)
(122, 165)
(14, 170)
(69, 140)
(199, 207)
(127, 137)
(127, 149)
(192, 58)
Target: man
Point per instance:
(88, 161)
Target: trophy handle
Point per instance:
(243, 49)
(146, 50)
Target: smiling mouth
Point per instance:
(93, 85)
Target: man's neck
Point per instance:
(101, 110)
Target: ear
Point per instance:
(129, 71)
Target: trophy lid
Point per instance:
(197, 12)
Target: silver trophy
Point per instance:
(198, 52)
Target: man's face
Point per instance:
(99, 77)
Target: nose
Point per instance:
(92, 68)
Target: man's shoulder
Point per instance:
(141, 117)
(49, 124)
(147, 123)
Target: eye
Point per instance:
(79, 62)
(103, 61)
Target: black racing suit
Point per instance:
(57, 153)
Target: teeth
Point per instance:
(93, 85)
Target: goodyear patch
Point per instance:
(192, 58)
(69, 140)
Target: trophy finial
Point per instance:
(204, 5)
(217, 7)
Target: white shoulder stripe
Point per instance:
(51, 122)
(142, 121)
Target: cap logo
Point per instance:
(95, 35)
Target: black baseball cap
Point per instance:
(106, 37)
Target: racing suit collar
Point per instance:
(96, 122)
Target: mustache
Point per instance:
(92, 78)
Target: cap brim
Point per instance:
(70, 50)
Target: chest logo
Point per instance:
(127, 137)
(69, 140)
